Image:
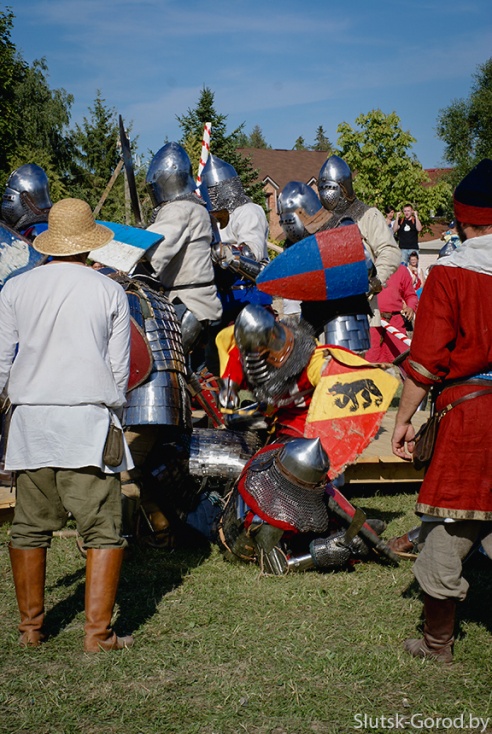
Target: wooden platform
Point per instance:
(7, 501)
(378, 463)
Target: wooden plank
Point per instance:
(378, 464)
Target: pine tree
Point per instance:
(96, 144)
(321, 142)
(223, 144)
(300, 144)
(257, 139)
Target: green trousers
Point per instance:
(46, 496)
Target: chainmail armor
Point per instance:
(354, 211)
(228, 195)
(280, 499)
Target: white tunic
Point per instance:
(71, 325)
(248, 224)
(184, 258)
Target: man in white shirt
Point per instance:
(64, 352)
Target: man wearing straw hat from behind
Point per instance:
(64, 350)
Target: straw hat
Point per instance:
(71, 230)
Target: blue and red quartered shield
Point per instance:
(348, 406)
(323, 267)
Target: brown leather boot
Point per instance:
(437, 643)
(29, 571)
(102, 577)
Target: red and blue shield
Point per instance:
(323, 267)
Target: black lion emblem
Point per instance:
(349, 392)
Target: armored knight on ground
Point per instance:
(26, 201)
(284, 487)
(346, 322)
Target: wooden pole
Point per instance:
(108, 188)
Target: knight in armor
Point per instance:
(241, 251)
(346, 323)
(283, 515)
(158, 408)
(26, 201)
(297, 202)
(278, 362)
(182, 261)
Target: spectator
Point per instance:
(416, 272)
(69, 375)
(407, 228)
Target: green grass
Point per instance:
(222, 650)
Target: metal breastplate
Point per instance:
(163, 398)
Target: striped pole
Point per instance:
(207, 130)
(397, 334)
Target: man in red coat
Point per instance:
(452, 350)
(397, 301)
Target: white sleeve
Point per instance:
(8, 337)
(119, 345)
(378, 237)
(250, 227)
(174, 226)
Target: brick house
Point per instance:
(278, 167)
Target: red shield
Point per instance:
(348, 406)
(140, 356)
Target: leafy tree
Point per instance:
(33, 117)
(97, 154)
(11, 69)
(321, 142)
(385, 171)
(466, 125)
(223, 144)
(300, 144)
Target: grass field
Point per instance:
(222, 650)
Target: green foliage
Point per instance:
(300, 144)
(385, 171)
(12, 69)
(32, 116)
(321, 141)
(255, 140)
(223, 144)
(96, 155)
(466, 125)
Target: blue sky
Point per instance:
(286, 66)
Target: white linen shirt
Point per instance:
(70, 326)
(248, 225)
(184, 257)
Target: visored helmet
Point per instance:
(223, 184)
(26, 199)
(264, 342)
(170, 174)
(335, 183)
(294, 197)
